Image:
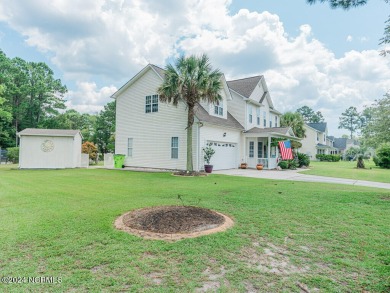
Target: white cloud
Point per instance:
(113, 39)
(88, 98)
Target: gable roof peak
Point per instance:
(245, 86)
(321, 126)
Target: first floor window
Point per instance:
(130, 147)
(174, 147)
(151, 104)
(251, 149)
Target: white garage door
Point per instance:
(225, 156)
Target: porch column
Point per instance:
(269, 149)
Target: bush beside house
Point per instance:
(328, 158)
(13, 155)
(383, 156)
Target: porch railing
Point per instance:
(268, 163)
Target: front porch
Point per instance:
(260, 148)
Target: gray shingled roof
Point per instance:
(281, 130)
(244, 86)
(203, 116)
(48, 132)
(318, 126)
(324, 146)
(340, 143)
(159, 70)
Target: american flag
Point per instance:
(285, 150)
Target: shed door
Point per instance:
(225, 156)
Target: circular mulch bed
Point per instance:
(173, 222)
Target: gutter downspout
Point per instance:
(200, 124)
(269, 150)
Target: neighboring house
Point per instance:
(343, 144)
(49, 148)
(317, 141)
(239, 128)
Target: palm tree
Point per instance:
(295, 121)
(190, 80)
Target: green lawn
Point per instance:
(348, 170)
(288, 235)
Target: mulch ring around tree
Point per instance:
(172, 222)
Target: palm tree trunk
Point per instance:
(190, 122)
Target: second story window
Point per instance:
(270, 120)
(276, 121)
(318, 137)
(218, 109)
(258, 116)
(264, 119)
(151, 104)
(250, 113)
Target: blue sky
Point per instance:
(309, 54)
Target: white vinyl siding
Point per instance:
(258, 116)
(174, 148)
(130, 147)
(148, 129)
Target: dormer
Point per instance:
(219, 109)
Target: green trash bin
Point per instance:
(119, 160)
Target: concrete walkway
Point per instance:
(293, 175)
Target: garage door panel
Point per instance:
(225, 156)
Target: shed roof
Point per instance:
(49, 132)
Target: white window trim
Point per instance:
(174, 147)
(218, 109)
(130, 147)
(151, 104)
(251, 154)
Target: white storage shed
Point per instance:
(49, 148)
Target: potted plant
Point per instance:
(244, 165)
(208, 153)
(259, 166)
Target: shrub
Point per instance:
(376, 160)
(292, 164)
(283, 164)
(90, 149)
(208, 153)
(13, 155)
(383, 155)
(328, 158)
(303, 160)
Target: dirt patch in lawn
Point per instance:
(173, 222)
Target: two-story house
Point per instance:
(317, 141)
(239, 128)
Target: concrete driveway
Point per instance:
(295, 175)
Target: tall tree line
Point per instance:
(31, 97)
